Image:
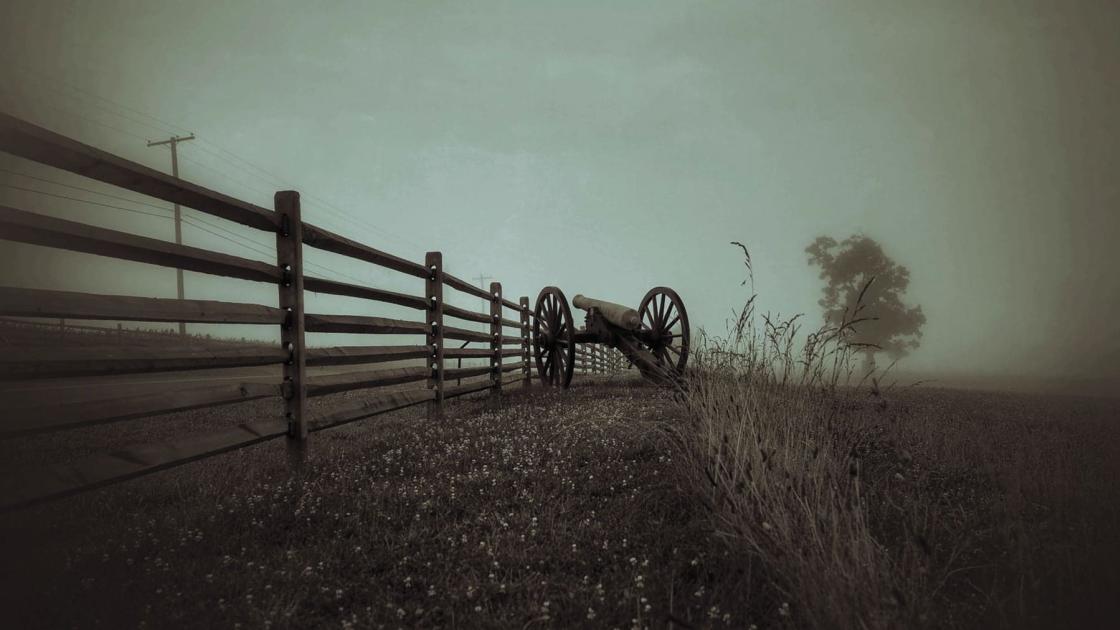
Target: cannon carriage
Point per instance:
(654, 338)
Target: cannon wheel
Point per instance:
(554, 338)
(665, 326)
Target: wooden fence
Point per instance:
(599, 359)
(292, 235)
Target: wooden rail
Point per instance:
(44, 303)
(49, 417)
(38, 362)
(36, 229)
(295, 385)
(26, 140)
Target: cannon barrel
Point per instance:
(617, 314)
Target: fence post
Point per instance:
(289, 257)
(495, 342)
(524, 303)
(433, 291)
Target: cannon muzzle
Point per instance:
(616, 314)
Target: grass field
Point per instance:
(587, 509)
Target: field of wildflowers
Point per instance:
(560, 509)
(746, 503)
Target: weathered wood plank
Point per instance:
(496, 342)
(523, 303)
(334, 383)
(26, 140)
(462, 334)
(37, 362)
(319, 238)
(99, 470)
(131, 402)
(37, 229)
(433, 291)
(348, 355)
(390, 401)
(320, 285)
(462, 313)
(44, 303)
(510, 367)
(289, 296)
(468, 388)
(467, 353)
(465, 287)
(363, 324)
(457, 373)
(478, 353)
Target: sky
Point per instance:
(607, 148)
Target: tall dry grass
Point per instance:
(775, 443)
(856, 506)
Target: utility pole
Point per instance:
(174, 142)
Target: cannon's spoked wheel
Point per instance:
(554, 338)
(665, 327)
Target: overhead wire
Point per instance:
(42, 102)
(236, 239)
(233, 159)
(349, 220)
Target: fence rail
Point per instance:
(294, 386)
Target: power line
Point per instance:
(85, 118)
(104, 194)
(89, 190)
(37, 76)
(347, 219)
(246, 239)
(96, 203)
(268, 175)
(236, 239)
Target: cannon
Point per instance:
(654, 338)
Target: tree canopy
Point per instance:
(847, 267)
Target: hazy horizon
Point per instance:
(607, 150)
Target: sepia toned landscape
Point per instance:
(516, 315)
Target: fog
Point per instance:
(610, 149)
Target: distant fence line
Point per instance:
(598, 359)
(292, 234)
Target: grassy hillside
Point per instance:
(585, 509)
